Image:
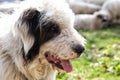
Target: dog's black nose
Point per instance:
(79, 49)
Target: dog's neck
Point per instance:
(41, 70)
(14, 67)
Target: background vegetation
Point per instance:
(101, 60)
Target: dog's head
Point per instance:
(47, 32)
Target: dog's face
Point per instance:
(49, 34)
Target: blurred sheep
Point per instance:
(110, 11)
(89, 21)
(96, 2)
(80, 7)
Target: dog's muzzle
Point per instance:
(65, 64)
(78, 49)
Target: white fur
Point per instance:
(17, 42)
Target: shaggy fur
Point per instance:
(41, 28)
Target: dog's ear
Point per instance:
(29, 31)
(31, 18)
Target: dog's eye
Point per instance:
(49, 31)
(53, 27)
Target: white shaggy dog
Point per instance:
(41, 40)
(80, 7)
(88, 21)
(110, 10)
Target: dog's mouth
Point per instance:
(59, 63)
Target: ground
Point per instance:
(101, 60)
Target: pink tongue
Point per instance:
(66, 65)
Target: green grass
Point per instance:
(101, 60)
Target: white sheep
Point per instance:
(96, 2)
(88, 21)
(110, 10)
(80, 7)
